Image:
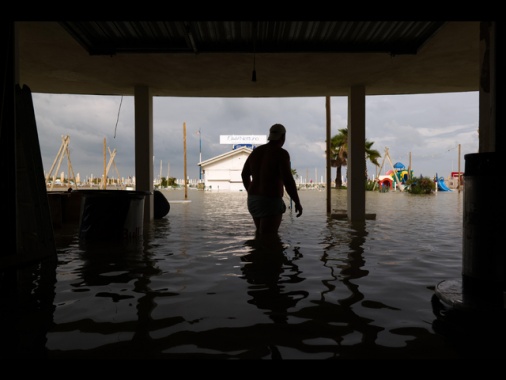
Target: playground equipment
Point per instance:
(395, 177)
(62, 152)
(65, 151)
(441, 185)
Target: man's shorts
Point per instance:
(260, 206)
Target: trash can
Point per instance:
(484, 226)
(111, 214)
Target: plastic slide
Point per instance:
(441, 185)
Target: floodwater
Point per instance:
(198, 285)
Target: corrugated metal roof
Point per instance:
(115, 37)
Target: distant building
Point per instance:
(223, 172)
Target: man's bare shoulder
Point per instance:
(269, 150)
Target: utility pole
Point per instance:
(185, 178)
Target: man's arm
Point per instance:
(246, 175)
(290, 186)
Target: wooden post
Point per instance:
(104, 176)
(409, 167)
(459, 177)
(184, 144)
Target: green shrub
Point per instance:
(421, 185)
(369, 185)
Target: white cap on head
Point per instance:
(276, 131)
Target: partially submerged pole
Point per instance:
(184, 144)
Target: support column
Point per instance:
(484, 263)
(8, 79)
(487, 88)
(483, 283)
(144, 147)
(327, 156)
(499, 90)
(356, 154)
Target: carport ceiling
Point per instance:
(217, 58)
(116, 37)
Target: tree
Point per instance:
(339, 154)
(372, 155)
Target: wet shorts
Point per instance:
(260, 207)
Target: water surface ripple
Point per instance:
(198, 284)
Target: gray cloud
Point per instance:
(427, 127)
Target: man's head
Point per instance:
(276, 132)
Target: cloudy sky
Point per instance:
(427, 128)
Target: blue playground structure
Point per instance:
(441, 185)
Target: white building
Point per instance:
(223, 172)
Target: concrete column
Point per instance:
(327, 156)
(487, 88)
(356, 154)
(498, 90)
(9, 66)
(483, 282)
(144, 147)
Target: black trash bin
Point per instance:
(111, 214)
(483, 265)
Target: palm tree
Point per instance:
(339, 154)
(372, 155)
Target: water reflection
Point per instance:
(336, 315)
(26, 309)
(268, 269)
(199, 284)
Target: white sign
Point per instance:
(243, 139)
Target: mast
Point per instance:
(200, 152)
(160, 176)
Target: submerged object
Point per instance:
(161, 205)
